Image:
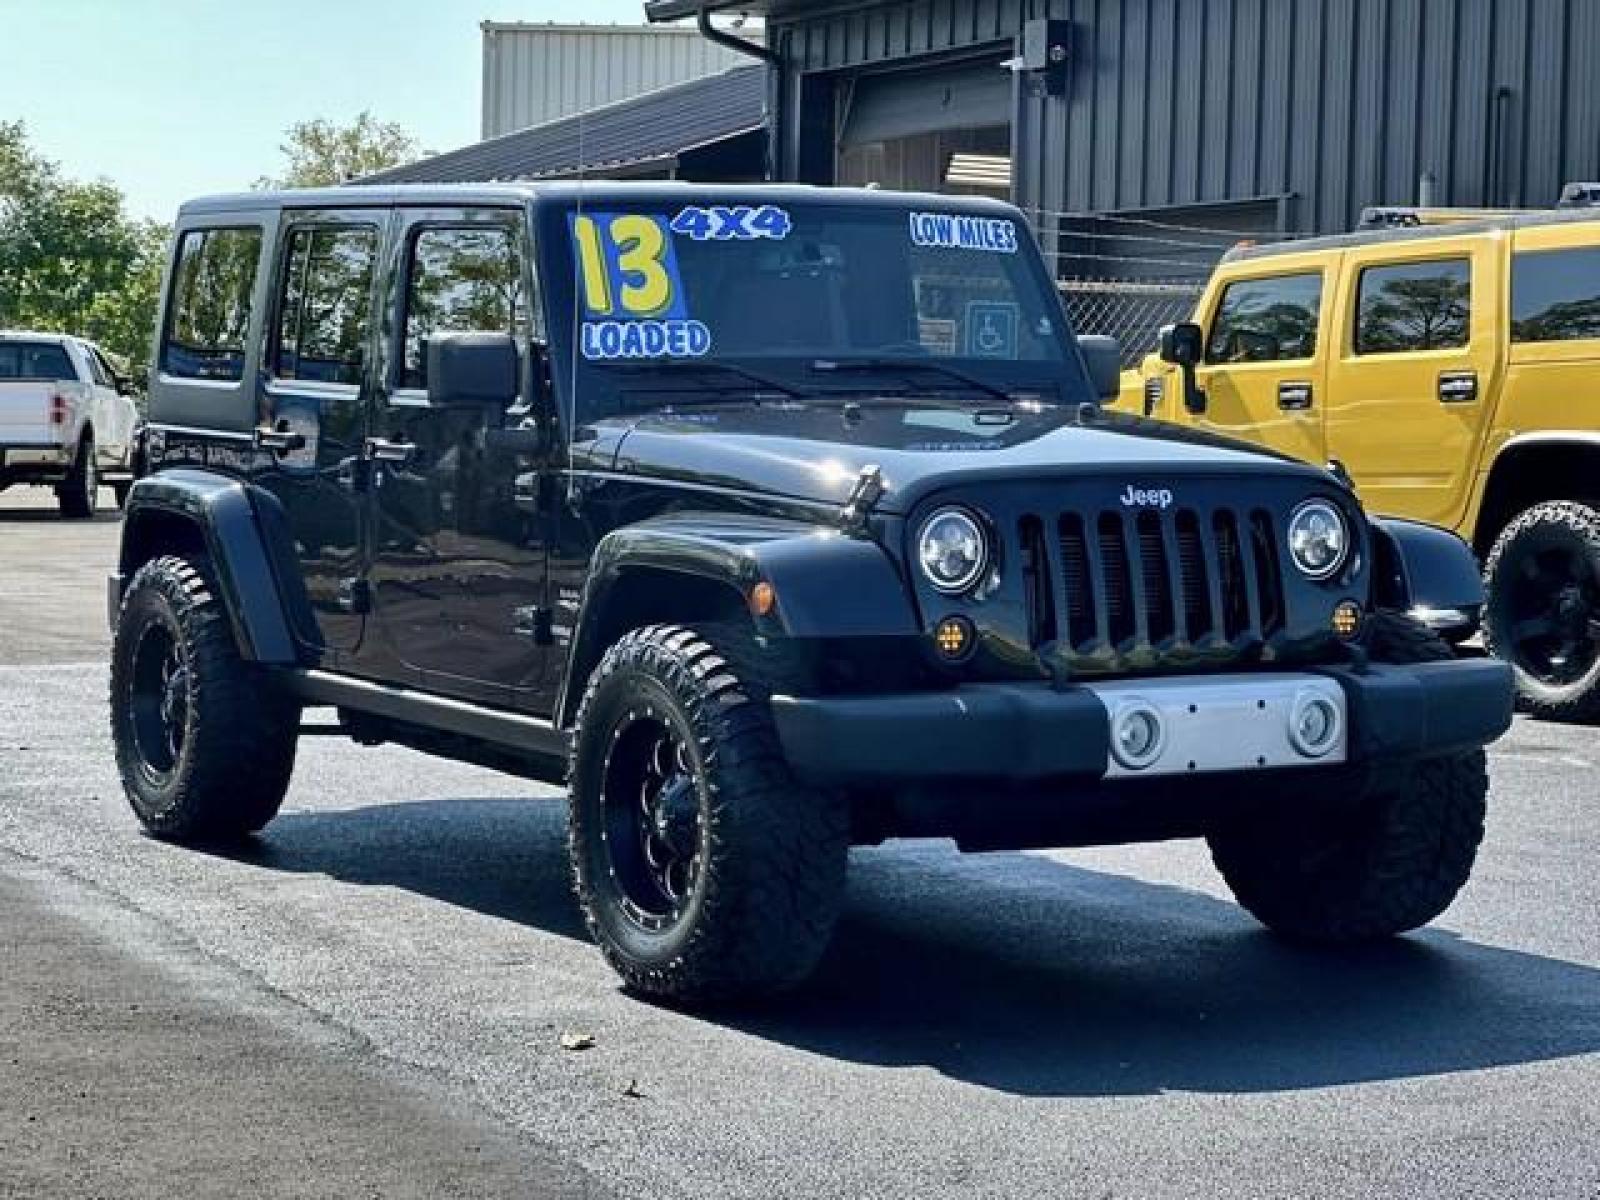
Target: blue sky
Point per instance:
(174, 98)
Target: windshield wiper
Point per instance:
(706, 366)
(876, 366)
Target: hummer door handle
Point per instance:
(1458, 387)
(398, 453)
(1294, 396)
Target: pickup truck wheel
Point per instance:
(205, 743)
(79, 492)
(703, 869)
(1337, 869)
(1543, 611)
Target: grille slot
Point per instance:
(1148, 584)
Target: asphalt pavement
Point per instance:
(1089, 1023)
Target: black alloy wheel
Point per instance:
(160, 701)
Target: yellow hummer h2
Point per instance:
(1453, 370)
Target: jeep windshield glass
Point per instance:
(776, 287)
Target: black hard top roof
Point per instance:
(592, 193)
(1417, 233)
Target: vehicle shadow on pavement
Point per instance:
(1027, 975)
(49, 516)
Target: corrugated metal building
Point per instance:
(1145, 135)
(537, 73)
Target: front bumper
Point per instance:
(1024, 732)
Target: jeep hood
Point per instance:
(814, 452)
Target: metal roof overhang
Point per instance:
(677, 10)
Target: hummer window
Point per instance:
(324, 313)
(209, 318)
(1414, 306)
(462, 279)
(1267, 320)
(1555, 295)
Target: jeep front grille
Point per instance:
(1121, 590)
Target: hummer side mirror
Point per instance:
(467, 369)
(1184, 346)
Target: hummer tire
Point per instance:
(703, 868)
(205, 742)
(1394, 858)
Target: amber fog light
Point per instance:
(953, 637)
(1347, 618)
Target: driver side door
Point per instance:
(459, 571)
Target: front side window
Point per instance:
(1555, 295)
(1414, 306)
(462, 280)
(1267, 320)
(36, 361)
(325, 310)
(208, 319)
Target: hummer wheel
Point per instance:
(1336, 870)
(204, 741)
(702, 867)
(1543, 612)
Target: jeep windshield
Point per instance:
(819, 298)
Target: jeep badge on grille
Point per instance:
(1133, 497)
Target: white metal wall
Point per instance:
(533, 73)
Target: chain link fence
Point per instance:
(1132, 311)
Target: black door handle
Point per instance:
(384, 451)
(1458, 387)
(1294, 396)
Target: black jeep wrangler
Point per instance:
(773, 521)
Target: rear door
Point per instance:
(459, 561)
(1263, 376)
(1413, 368)
(317, 386)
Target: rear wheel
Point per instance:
(1331, 868)
(79, 493)
(702, 867)
(205, 741)
(1543, 612)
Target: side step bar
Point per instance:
(528, 735)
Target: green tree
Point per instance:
(71, 260)
(321, 153)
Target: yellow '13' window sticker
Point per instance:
(633, 299)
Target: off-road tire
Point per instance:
(239, 729)
(1342, 870)
(1577, 525)
(79, 493)
(772, 853)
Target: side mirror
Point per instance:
(473, 369)
(1184, 346)
(1103, 357)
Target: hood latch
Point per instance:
(868, 490)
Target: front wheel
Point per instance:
(702, 867)
(1543, 608)
(1325, 866)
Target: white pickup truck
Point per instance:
(66, 420)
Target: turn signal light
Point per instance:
(763, 598)
(1347, 618)
(953, 637)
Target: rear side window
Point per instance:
(1555, 295)
(325, 309)
(1266, 320)
(462, 280)
(35, 360)
(208, 320)
(1414, 306)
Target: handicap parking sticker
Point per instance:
(992, 329)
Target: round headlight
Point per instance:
(953, 550)
(1319, 539)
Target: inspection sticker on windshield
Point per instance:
(633, 301)
(993, 235)
(736, 223)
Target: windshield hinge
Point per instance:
(867, 491)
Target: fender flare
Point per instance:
(1423, 566)
(828, 583)
(245, 535)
